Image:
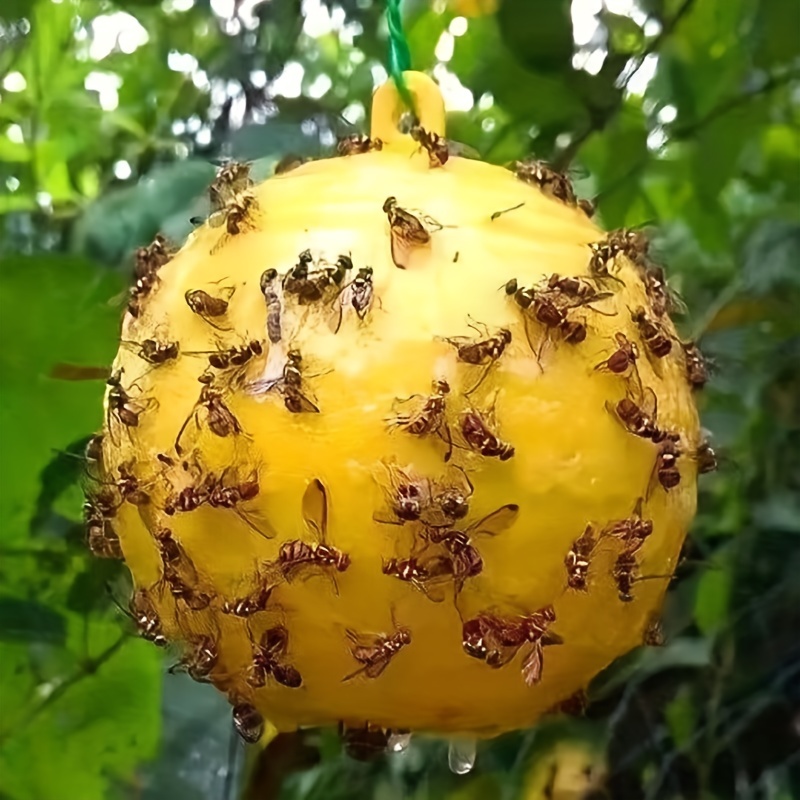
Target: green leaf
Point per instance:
(713, 598)
(681, 717)
(624, 35)
(65, 468)
(29, 621)
(776, 27)
(93, 735)
(53, 309)
(541, 39)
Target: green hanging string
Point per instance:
(399, 54)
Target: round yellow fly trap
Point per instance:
(398, 441)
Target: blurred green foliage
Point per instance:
(679, 114)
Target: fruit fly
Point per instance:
(466, 560)
(374, 652)
(631, 243)
(219, 418)
(570, 291)
(407, 231)
(553, 184)
(98, 513)
(578, 559)
(436, 146)
(623, 574)
(655, 337)
(155, 352)
(269, 660)
(543, 308)
(144, 615)
(290, 385)
(480, 434)
(653, 635)
(601, 255)
(269, 288)
(200, 658)
(359, 294)
(666, 469)
(232, 494)
(449, 501)
(632, 531)
(430, 575)
(296, 556)
(232, 361)
(409, 495)
(266, 579)
(122, 407)
(237, 216)
(147, 261)
(232, 178)
(705, 457)
(429, 417)
(663, 300)
(623, 359)
(483, 350)
(695, 365)
(208, 307)
(366, 742)
(497, 640)
(639, 418)
(248, 721)
(357, 144)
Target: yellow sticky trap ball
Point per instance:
(398, 440)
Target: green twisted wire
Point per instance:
(399, 54)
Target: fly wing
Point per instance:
(315, 508)
(532, 665)
(496, 522)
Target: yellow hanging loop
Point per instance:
(388, 108)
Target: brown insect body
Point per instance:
(359, 294)
(483, 350)
(654, 335)
(623, 574)
(367, 742)
(357, 144)
(248, 722)
(640, 418)
(267, 579)
(121, 406)
(578, 559)
(374, 652)
(269, 656)
(200, 658)
(436, 146)
(145, 617)
(289, 385)
(632, 531)
(406, 231)
(296, 556)
(430, 417)
(623, 359)
(98, 514)
(696, 367)
(429, 575)
(706, 458)
(147, 262)
(479, 434)
(231, 179)
(155, 352)
(208, 307)
(553, 184)
(237, 217)
(496, 640)
(269, 284)
(219, 418)
(666, 466)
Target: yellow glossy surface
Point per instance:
(574, 463)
